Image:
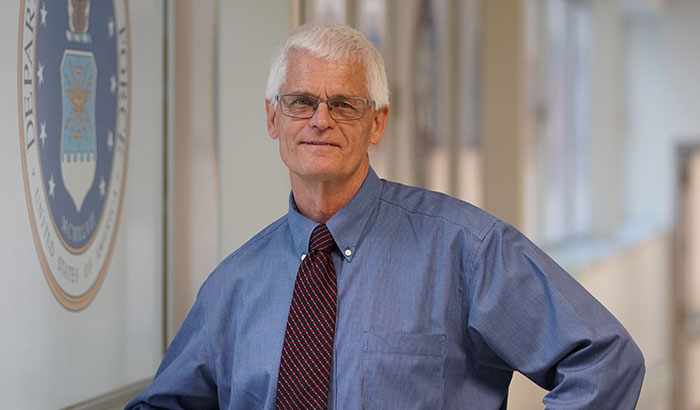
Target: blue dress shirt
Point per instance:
(438, 303)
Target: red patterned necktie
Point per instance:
(307, 353)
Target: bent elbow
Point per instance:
(629, 369)
(635, 362)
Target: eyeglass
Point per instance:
(339, 108)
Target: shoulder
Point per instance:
(439, 207)
(255, 249)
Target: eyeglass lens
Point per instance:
(340, 108)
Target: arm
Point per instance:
(185, 378)
(527, 314)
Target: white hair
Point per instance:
(334, 42)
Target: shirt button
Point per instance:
(348, 252)
(303, 255)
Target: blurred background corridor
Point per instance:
(577, 121)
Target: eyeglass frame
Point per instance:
(366, 101)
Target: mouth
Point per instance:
(318, 143)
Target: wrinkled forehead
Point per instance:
(309, 73)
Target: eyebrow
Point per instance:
(330, 97)
(298, 92)
(308, 94)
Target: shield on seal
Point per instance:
(78, 151)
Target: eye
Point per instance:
(301, 100)
(344, 104)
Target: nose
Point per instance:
(322, 117)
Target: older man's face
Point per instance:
(320, 148)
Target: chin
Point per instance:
(319, 174)
(316, 172)
(314, 167)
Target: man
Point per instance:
(374, 295)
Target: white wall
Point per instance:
(254, 181)
(606, 117)
(681, 32)
(52, 357)
(193, 183)
(662, 97)
(644, 82)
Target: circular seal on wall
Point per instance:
(74, 86)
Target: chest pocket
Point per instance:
(402, 370)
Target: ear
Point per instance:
(379, 125)
(271, 112)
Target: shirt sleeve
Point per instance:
(527, 314)
(185, 379)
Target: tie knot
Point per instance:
(321, 239)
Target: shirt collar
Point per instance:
(346, 225)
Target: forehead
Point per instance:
(308, 74)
